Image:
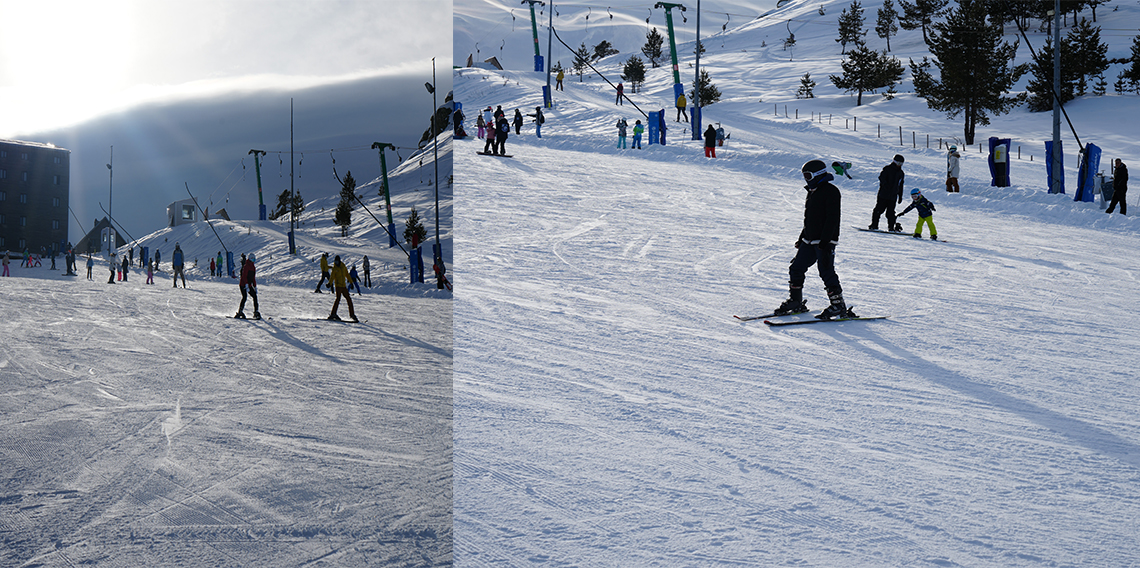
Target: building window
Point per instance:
(23, 244)
(3, 174)
(57, 160)
(3, 153)
(55, 179)
(55, 225)
(24, 156)
(1, 220)
(24, 176)
(55, 202)
(3, 195)
(1, 242)
(23, 198)
(23, 221)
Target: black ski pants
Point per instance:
(1119, 196)
(822, 256)
(886, 205)
(252, 291)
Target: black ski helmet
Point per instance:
(899, 159)
(813, 169)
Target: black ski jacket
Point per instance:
(821, 215)
(891, 183)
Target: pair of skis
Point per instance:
(768, 319)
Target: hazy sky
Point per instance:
(182, 91)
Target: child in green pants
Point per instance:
(925, 214)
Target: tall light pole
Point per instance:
(1058, 172)
(110, 207)
(438, 248)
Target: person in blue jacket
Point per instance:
(925, 214)
(178, 264)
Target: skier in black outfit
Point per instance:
(518, 122)
(1119, 188)
(816, 244)
(890, 194)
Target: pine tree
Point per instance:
(343, 216)
(1100, 87)
(1131, 75)
(921, 14)
(851, 27)
(283, 208)
(807, 86)
(867, 70)
(581, 58)
(975, 67)
(414, 227)
(1040, 86)
(1089, 53)
(709, 93)
(887, 24)
(652, 48)
(634, 72)
(603, 49)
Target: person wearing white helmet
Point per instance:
(952, 170)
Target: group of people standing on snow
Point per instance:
(494, 127)
(340, 280)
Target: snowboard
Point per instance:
(903, 233)
(495, 155)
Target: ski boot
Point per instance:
(897, 228)
(256, 315)
(795, 302)
(934, 237)
(873, 227)
(918, 235)
(837, 309)
(239, 315)
(334, 317)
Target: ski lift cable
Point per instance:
(604, 78)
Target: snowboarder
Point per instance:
(1119, 187)
(952, 170)
(157, 256)
(457, 121)
(177, 263)
(324, 272)
(502, 132)
(150, 272)
(841, 168)
(111, 262)
(539, 119)
(816, 244)
(491, 146)
(219, 264)
(126, 268)
(622, 125)
(518, 122)
(248, 286)
(925, 214)
(6, 260)
(620, 92)
(212, 270)
(339, 280)
(367, 272)
(681, 104)
(90, 265)
(890, 192)
(710, 142)
(480, 126)
(638, 129)
(560, 77)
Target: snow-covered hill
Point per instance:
(609, 410)
(143, 427)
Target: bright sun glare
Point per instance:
(62, 61)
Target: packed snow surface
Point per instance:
(610, 411)
(143, 426)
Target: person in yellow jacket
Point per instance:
(560, 77)
(681, 104)
(340, 281)
(324, 272)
